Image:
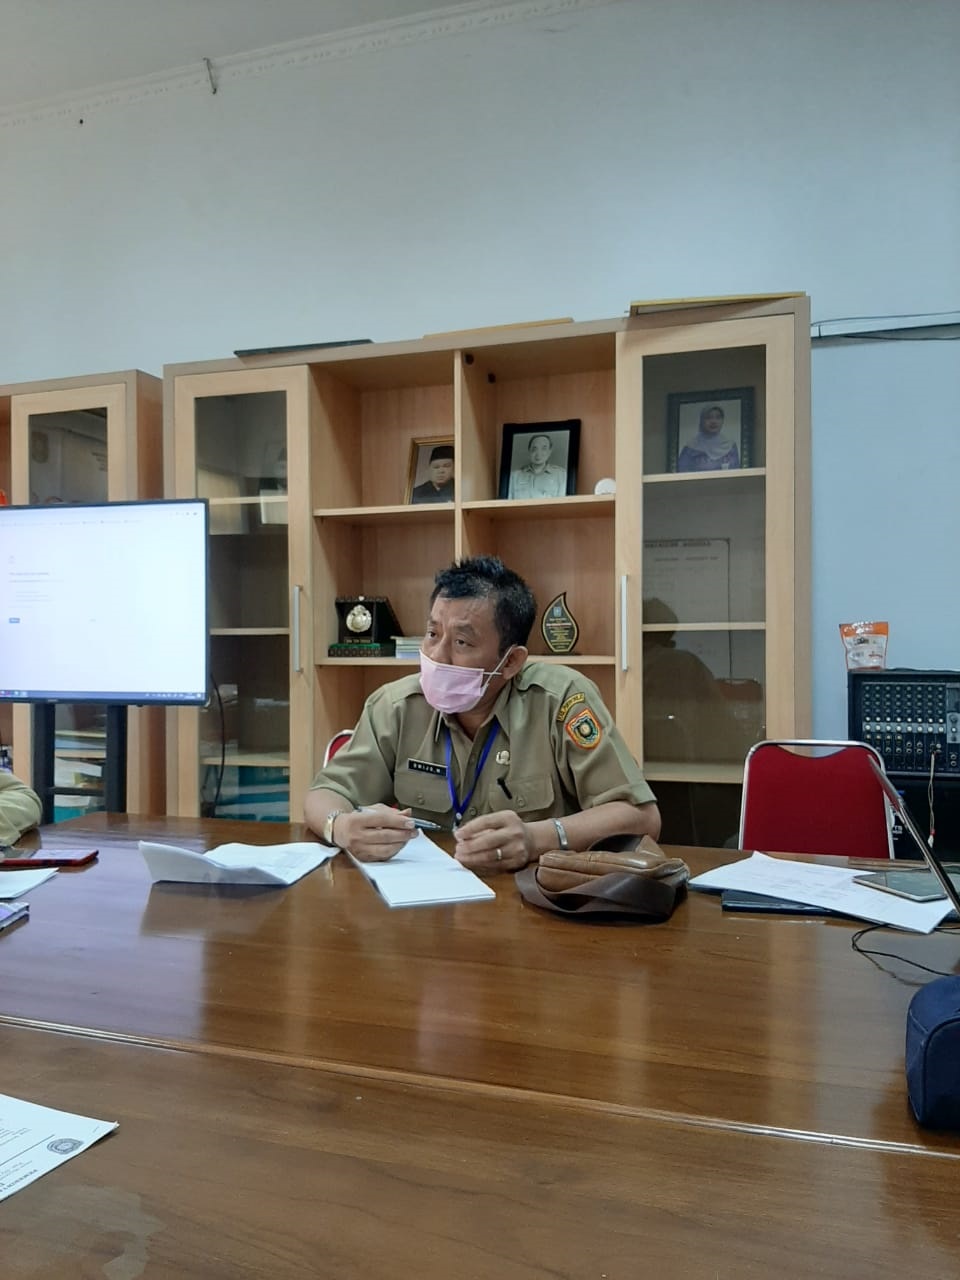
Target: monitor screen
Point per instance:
(104, 603)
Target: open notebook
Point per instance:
(421, 874)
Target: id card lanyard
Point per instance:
(460, 806)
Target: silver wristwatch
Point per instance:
(328, 822)
(561, 834)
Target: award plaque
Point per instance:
(366, 628)
(558, 626)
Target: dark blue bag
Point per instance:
(933, 1054)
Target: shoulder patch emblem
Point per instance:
(570, 702)
(584, 729)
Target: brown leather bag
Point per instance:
(630, 877)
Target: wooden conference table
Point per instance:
(310, 1084)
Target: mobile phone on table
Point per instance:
(48, 858)
(918, 886)
(743, 900)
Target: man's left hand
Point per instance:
(495, 842)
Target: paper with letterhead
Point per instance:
(421, 874)
(824, 886)
(35, 1139)
(15, 883)
(235, 863)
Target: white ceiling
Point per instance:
(54, 47)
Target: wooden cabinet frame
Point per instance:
(352, 415)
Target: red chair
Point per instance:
(339, 739)
(815, 796)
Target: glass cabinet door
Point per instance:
(241, 468)
(228, 434)
(67, 463)
(703, 558)
(715, 578)
(89, 439)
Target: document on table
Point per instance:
(14, 883)
(824, 886)
(235, 863)
(34, 1140)
(421, 874)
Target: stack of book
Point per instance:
(408, 647)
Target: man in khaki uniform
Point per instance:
(20, 808)
(515, 756)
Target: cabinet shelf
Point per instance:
(406, 665)
(249, 631)
(376, 517)
(693, 627)
(247, 759)
(576, 507)
(685, 771)
(401, 665)
(736, 478)
(272, 499)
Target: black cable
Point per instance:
(893, 955)
(223, 745)
(210, 810)
(933, 825)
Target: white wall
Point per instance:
(886, 518)
(562, 165)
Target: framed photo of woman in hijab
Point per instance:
(710, 430)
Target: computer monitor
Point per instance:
(104, 603)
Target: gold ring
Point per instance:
(499, 855)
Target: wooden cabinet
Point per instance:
(95, 438)
(690, 588)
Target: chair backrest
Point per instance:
(815, 796)
(339, 739)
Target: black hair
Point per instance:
(486, 577)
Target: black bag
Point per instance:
(933, 1054)
(630, 877)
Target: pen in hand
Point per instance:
(421, 823)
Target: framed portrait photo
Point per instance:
(710, 430)
(430, 474)
(539, 459)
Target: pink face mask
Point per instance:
(454, 689)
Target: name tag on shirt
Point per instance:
(427, 766)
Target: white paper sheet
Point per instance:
(15, 883)
(421, 874)
(235, 863)
(824, 886)
(34, 1140)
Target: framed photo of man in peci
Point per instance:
(539, 459)
(430, 475)
(710, 430)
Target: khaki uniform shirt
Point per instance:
(556, 751)
(20, 808)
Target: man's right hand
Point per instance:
(374, 834)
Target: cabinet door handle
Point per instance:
(295, 628)
(624, 663)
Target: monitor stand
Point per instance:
(45, 752)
